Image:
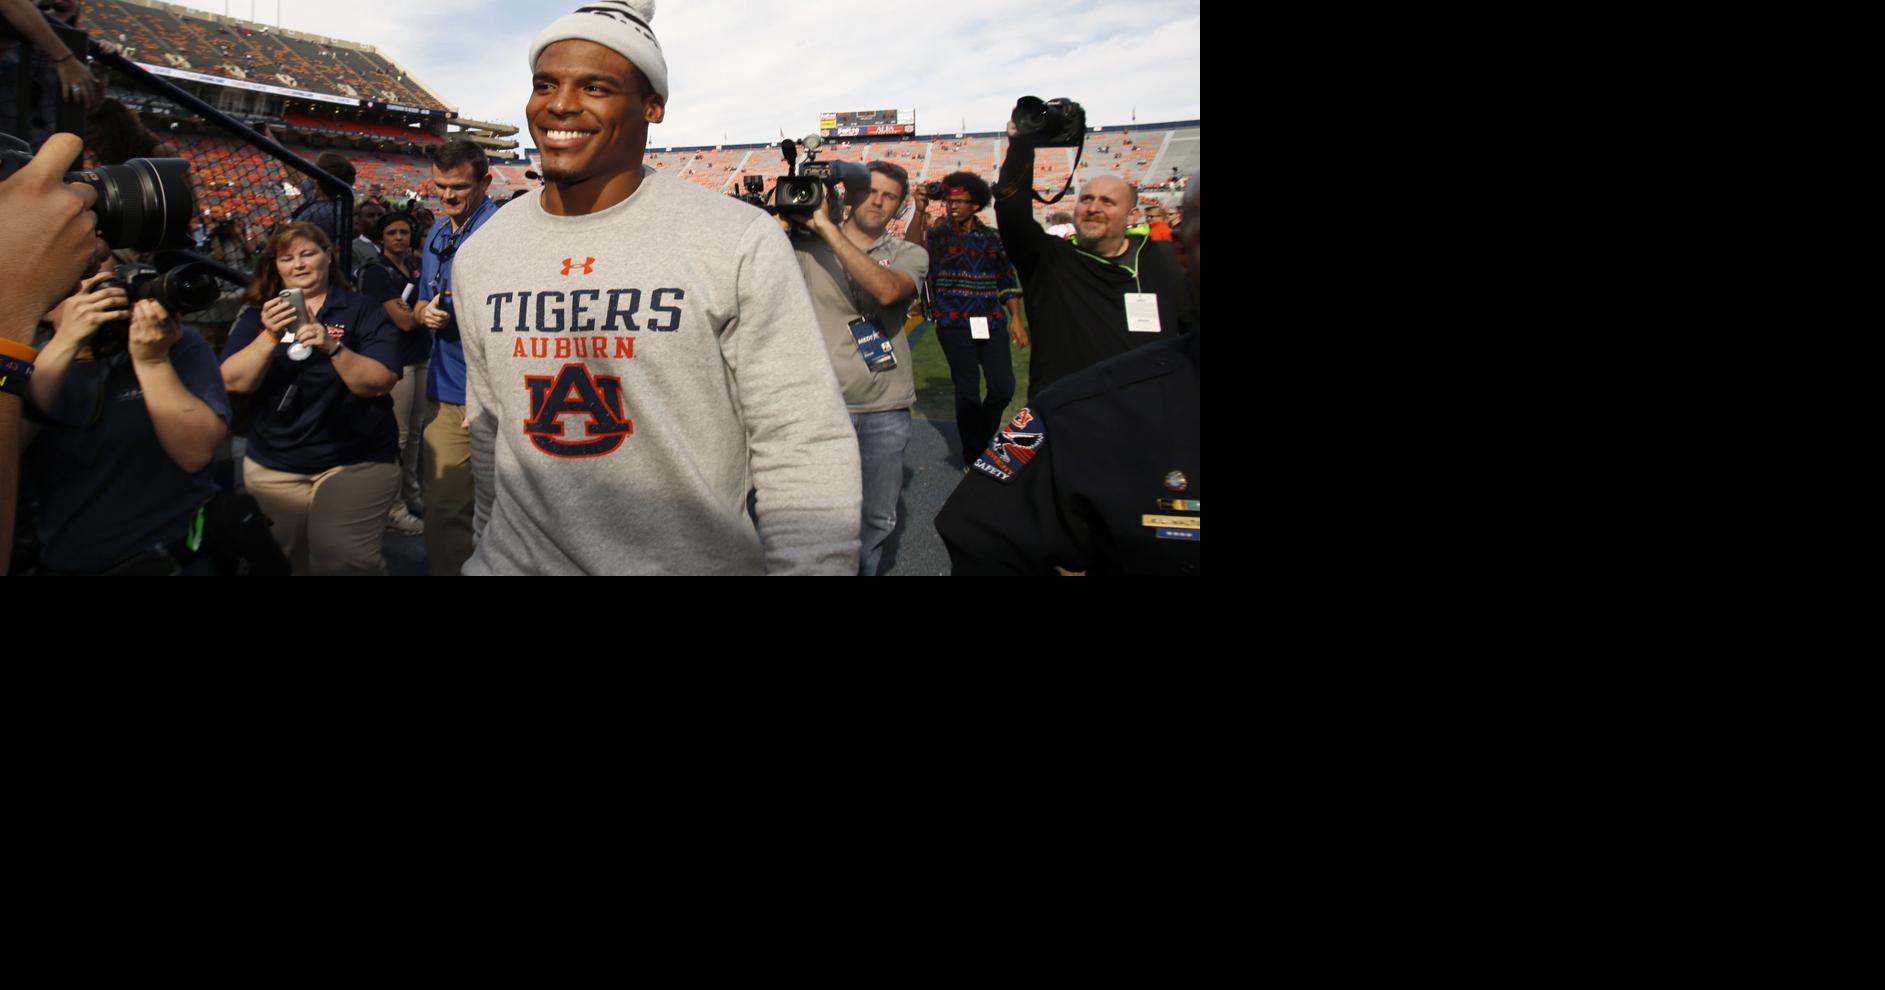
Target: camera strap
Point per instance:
(1077, 153)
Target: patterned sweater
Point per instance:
(970, 276)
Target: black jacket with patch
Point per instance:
(1083, 466)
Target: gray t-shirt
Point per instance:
(633, 374)
(838, 300)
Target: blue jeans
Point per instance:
(881, 440)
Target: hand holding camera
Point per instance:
(154, 331)
(278, 317)
(314, 337)
(36, 198)
(78, 318)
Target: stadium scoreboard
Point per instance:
(867, 123)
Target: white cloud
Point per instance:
(748, 70)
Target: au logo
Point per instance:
(576, 392)
(588, 265)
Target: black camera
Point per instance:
(143, 205)
(936, 192)
(755, 194)
(180, 288)
(1056, 123)
(804, 192)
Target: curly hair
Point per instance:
(978, 190)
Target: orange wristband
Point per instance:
(13, 349)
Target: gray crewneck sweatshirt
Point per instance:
(633, 373)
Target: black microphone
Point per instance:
(791, 149)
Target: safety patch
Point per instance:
(1011, 449)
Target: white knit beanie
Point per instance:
(619, 24)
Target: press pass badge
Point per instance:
(878, 352)
(1142, 312)
(978, 327)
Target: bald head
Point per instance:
(1101, 213)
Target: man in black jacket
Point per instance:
(1097, 295)
(1101, 474)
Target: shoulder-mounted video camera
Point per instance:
(143, 205)
(802, 189)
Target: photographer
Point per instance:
(322, 456)
(35, 198)
(1099, 294)
(975, 306)
(860, 271)
(147, 407)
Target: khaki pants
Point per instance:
(327, 523)
(448, 497)
(409, 409)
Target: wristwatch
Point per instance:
(335, 352)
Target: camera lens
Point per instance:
(144, 204)
(187, 289)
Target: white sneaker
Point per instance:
(401, 520)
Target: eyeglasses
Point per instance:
(445, 254)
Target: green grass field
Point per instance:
(936, 397)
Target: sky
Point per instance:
(742, 72)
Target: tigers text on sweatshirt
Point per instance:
(633, 374)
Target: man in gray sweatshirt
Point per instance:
(641, 352)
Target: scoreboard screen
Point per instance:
(866, 123)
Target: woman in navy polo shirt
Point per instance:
(323, 451)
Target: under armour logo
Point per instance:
(588, 266)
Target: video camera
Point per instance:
(143, 205)
(802, 190)
(181, 286)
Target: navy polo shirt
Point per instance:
(380, 280)
(106, 490)
(305, 420)
(445, 380)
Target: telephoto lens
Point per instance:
(144, 204)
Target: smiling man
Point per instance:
(1096, 295)
(642, 352)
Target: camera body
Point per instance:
(803, 192)
(1056, 123)
(143, 205)
(180, 288)
(755, 192)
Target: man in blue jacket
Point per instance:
(461, 175)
